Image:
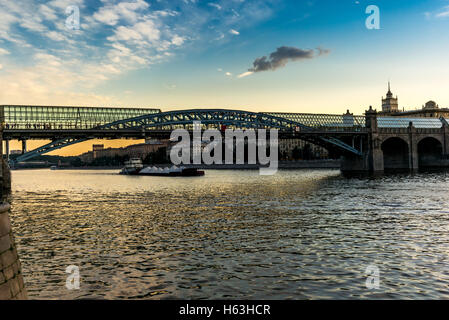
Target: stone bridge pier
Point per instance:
(399, 149)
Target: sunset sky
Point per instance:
(205, 54)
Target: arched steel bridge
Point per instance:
(324, 130)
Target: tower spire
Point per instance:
(389, 94)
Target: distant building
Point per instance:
(390, 108)
(96, 149)
(133, 151)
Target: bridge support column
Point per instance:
(376, 157)
(24, 146)
(371, 162)
(413, 149)
(445, 133)
(7, 150)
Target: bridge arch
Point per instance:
(434, 137)
(430, 152)
(396, 154)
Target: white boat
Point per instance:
(133, 166)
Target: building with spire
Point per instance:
(390, 108)
(390, 104)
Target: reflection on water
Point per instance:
(232, 234)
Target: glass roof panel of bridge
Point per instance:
(395, 122)
(323, 120)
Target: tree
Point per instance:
(76, 162)
(307, 152)
(296, 153)
(157, 157)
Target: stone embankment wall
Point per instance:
(11, 279)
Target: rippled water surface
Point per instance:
(306, 234)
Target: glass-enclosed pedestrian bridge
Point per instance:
(19, 117)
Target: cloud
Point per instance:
(245, 74)
(215, 5)
(128, 11)
(47, 12)
(4, 51)
(138, 33)
(56, 36)
(322, 51)
(52, 80)
(441, 13)
(444, 13)
(234, 32)
(63, 4)
(177, 40)
(281, 57)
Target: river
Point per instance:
(301, 234)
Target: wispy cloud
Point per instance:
(438, 14)
(245, 74)
(443, 13)
(215, 5)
